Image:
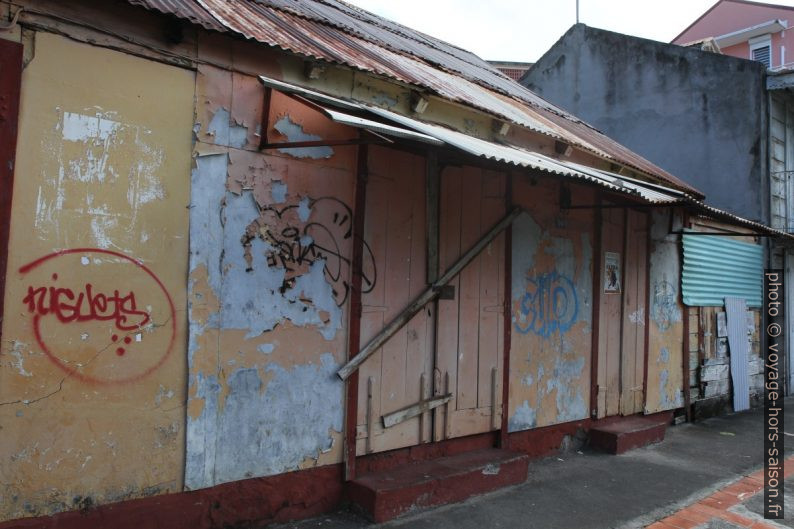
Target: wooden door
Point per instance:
(622, 312)
(634, 318)
(609, 314)
(395, 228)
(470, 326)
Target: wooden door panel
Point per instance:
(491, 338)
(395, 231)
(469, 293)
(609, 319)
(633, 346)
(470, 327)
(622, 317)
(447, 334)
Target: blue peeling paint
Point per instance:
(664, 355)
(526, 234)
(304, 209)
(295, 132)
(566, 380)
(271, 430)
(278, 192)
(224, 132)
(250, 296)
(523, 419)
(202, 434)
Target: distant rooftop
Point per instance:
(514, 70)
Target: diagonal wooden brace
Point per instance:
(409, 412)
(425, 297)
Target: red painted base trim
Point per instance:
(396, 458)
(290, 496)
(617, 435)
(246, 503)
(546, 441)
(383, 496)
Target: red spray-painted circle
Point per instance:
(72, 372)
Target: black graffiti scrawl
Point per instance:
(298, 235)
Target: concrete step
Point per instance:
(388, 494)
(618, 435)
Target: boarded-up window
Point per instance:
(716, 268)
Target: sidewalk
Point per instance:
(593, 490)
(737, 505)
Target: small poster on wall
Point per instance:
(611, 272)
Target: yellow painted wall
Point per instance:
(92, 370)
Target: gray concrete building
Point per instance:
(702, 116)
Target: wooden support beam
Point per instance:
(324, 143)
(425, 297)
(265, 123)
(422, 384)
(436, 431)
(10, 89)
(447, 407)
(598, 263)
(409, 412)
(494, 424)
(685, 359)
(370, 414)
(507, 320)
(354, 331)
(432, 194)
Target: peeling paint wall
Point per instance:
(269, 286)
(92, 373)
(551, 307)
(666, 333)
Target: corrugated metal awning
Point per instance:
(716, 268)
(499, 153)
(443, 136)
(645, 192)
(368, 124)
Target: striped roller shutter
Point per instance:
(716, 268)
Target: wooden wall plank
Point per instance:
(469, 316)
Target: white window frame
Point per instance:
(764, 41)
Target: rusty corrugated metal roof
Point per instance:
(336, 32)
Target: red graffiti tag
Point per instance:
(86, 306)
(90, 303)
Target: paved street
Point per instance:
(588, 489)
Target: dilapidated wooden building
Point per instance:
(259, 251)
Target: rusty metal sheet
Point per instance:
(336, 32)
(187, 10)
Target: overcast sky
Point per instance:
(522, 30)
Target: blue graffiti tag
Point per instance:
(549, 305)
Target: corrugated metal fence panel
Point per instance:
(716, 267)
(736, 311)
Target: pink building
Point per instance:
(751, 30)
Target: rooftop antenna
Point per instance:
(577, 11)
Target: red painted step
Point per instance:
(388, 494)
(617, 436)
